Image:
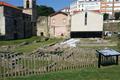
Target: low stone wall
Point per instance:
(112, 26)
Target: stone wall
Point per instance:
(42, 26)
(27, 25)
(15, 24)
(59, 25)
(112, 26)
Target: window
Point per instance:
(27, 4)
(64, 20)
(15, 25)
(85, 18)
(53, 21)
(82, 5)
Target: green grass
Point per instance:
(111, 73)
(15, 42)
(31, 47)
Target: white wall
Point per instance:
(2, 21)
(82, 5)
(2, 25)
(94, 22)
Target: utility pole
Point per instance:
(113, 12)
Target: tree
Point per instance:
(44, 10)
(117, 15)
(105, 16)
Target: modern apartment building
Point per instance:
(65, 10)
(110, 6)
(105, 6)
(82, 5)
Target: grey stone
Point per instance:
(23, 43)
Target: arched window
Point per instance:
(42, 34)
(53, 21)
(27, 4)
(64, 20)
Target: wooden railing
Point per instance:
(14, 64)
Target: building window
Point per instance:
(27, 4)
(53, 21)
(85, 18)
(15, 25)
(82, 5)
(64, 20)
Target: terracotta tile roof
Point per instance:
(8, 5)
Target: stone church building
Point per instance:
(17, 23)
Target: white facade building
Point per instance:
(82, 5)
(105, 6)
(65, 10)
(110, 7)
(86, 24)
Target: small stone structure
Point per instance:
(59, 25)
(42, 26)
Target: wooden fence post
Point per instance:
(99, 60)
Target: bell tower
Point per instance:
(29, 4)
(30, 8)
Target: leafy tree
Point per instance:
(44, 10)
(105, 16)
(117, 15)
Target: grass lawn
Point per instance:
(33, 46)
(30, 47)
(106, 73)
(15, 42)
